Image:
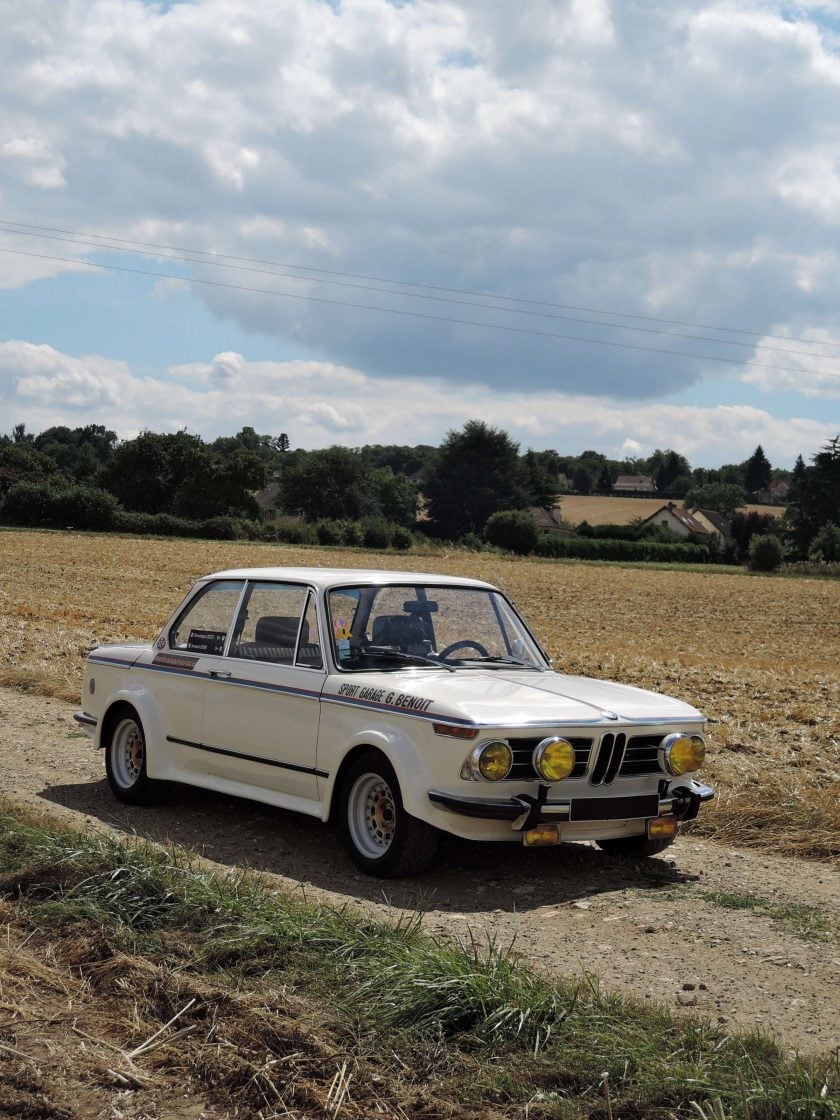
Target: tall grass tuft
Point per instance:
(404, 991)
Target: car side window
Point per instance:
(270, 623)
(203, 625)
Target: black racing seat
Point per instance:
(280, 630)
(405, 631)
(275, 637)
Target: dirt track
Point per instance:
(640, 928)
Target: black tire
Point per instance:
(634, 847)
(381, 838)
(125, 760)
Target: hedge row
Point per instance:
(44, 505)
(587, 548)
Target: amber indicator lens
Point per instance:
(455, 732)
(543, 836)
(662, 828)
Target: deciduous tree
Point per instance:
(723, 497)
(478, 472)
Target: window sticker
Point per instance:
(206, 641)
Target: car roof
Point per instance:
(324, 578)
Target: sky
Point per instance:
(594, 224)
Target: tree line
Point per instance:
(88, 478)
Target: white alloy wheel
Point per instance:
(126, 759)
(128, 753)
(371, 815)
(380, 836)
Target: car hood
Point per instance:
(512, 698)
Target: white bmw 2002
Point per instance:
(405, 705)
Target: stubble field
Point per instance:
(600, 510)
(758, 655)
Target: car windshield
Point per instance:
(441, 627)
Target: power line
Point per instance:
(73, 240)
(399, 311)
(114, 242)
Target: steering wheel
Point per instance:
(466, 644)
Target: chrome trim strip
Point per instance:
(100, 660)
(265, 686)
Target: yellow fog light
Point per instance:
(491, 761)
(543, 836)
(554, 759)
(682, 753)
(662, 828)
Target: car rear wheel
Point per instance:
(125, 761)
(634, 847)
(380, 836)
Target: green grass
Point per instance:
(798, 918)
(436, 1005)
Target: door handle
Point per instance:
(218, 675)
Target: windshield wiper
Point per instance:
(499, 660)
(387, 653)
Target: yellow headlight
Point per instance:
(494, 761)
(682, 754)
(554, 759)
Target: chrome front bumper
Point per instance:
(525, 811)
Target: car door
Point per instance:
(262, 708)
(179, 668)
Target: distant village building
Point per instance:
(268, 499)
(634, 484)
(715, 522)
(776, 493)
(681, 522)
(548, 521)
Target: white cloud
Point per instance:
(34, 160)
(813, 372)
(43, 377)
(810, 181)
(675, 158)
(320, 404)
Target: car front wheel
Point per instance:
(634, 847)
(380, 836)
(125, 761)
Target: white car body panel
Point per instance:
(280, 733)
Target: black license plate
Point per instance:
(613, 808)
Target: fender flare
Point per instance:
(144, 704)
(403, 755)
